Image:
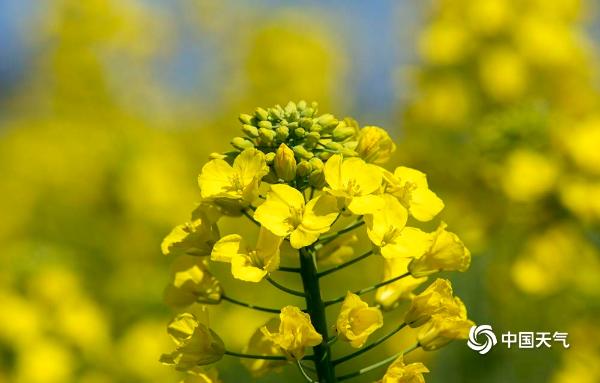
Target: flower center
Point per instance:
(296, 214)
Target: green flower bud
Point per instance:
(265, 125)
(271, 177)
(316, 128)
(299, 132)
(290, 108)
(282, 133)
(303, 169)
(301, 152)
(316, 163)
(267, 136)
(292, 125)
(325, 155)
(348, 152)
(285, 163)
(301, 105)
(261, 114)
(334, 146)
(317, 179)
(342, 132)
(245, 118)
(276, 113)
(327, 121)
(241, 143)
(250, 130)
(311, 139)
(269, 158)
(308, 112)
(305, 122)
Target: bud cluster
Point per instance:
(296, 140)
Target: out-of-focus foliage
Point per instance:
(93, 150)
(505, 110)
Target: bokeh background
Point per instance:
(109, 108)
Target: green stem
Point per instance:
(367, 289)
(372, 345)
(330, 237)
(318, 318)
(250, 305)
(252, 356)
(345, 264)
(285, 289)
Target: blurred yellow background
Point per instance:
(108, 109)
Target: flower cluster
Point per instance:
(309, 183)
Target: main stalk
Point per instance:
(316, 310)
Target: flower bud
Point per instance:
(217, 156)
(299, 132)
(276, 113)
(261, 114)
(285, 163)
(334, 146)
(316, 163)
(290, 108)
(267, 136)
(442, 330)
(269, 158)
(312, 139)
(282, 133)
(327, 121)
(374, 145)
(306, 123)
(245, 118)
(250, 130)
(241, 143)
(301, 152)
(354, 311)
(308, 112)
(317, 179)
(342, 132)
(303, 169)
(316, 128)
(301, 105)
(325, 155)
(265, 125)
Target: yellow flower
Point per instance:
(355, 181)
(441, 330)
(528, 175)
(296, 332)
(436, 299)
(337, 251)
(192, 282)
(386, 229)
(193, 238)
(285, 213)
(240, 182)
(357, 320)
(447, 253)
(197, 345)
(581, 143)
(411, 188)
(374, 145)
(260, 344)
(398, 372)
(389, 295)
(249, 264)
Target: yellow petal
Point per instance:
(410, 243)
(287, 195)
(267, 249)
(367, 204)
(275, 216)
(301, 237)
(215, 178)
(243, 269)
(333, 172)
(226, 248)
(250, 164)
(425, 204)
(320, 213)
(411, 175)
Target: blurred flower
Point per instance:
(196, 343)
(528, 175)
(192, 282)
(194, 238)
(389, 295)
(261, 344)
